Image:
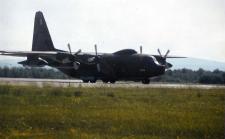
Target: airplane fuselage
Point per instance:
(135, 67)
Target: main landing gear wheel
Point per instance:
(106, 81)
(85, 81)
(112, 81)
(93, 81)
(145, 81)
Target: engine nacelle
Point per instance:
(76, 65)
(33, 63)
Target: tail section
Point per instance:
(41, 38)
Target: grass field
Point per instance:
(108, 113)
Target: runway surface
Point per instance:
(79, 83)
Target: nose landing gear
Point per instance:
(106, 81)
(146, 81)
(91, 80)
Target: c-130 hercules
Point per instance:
(125, 64)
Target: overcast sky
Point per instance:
(193, 28)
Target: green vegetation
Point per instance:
(108, 113)
(189, 76)
(21, 72)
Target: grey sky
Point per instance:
(194, 28)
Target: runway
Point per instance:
(79, 83)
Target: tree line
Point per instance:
(25, 72)
(173, 76)
(192, 76)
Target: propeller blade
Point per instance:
(168, 51)
(97, 59)
(168, 65)
(68, 45)
(96, 52)
(78, 52)
(159, 52)
(140, 49)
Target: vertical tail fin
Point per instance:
(41, 38)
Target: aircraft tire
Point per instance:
(85, 81)
(105, 81)
(93, 81)
(112, 81)
(145, 81)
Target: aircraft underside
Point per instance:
(92, 76)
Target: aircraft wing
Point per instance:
(170, 56)
(57, 56)
(31, 53)
(176, 57)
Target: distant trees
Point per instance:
(215, 77)
(172, 76)
(190, 76)
(20, 72)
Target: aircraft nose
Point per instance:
(168, 65)
(158, 70)
(161, 69)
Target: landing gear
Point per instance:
(145, 81)
(93, 81)
(89, 79)
(106, 81)
(112, 81)
(85, 81)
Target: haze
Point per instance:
(193, 28)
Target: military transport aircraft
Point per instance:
(126, 64)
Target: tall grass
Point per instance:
(53, 112)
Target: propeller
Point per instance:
(76, 61)
(159, 52)
(101, 64)
(163, 59)
(165, 56)
(68, 45)
(96, 52)
(77, 52)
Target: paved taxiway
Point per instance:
(77, 83)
